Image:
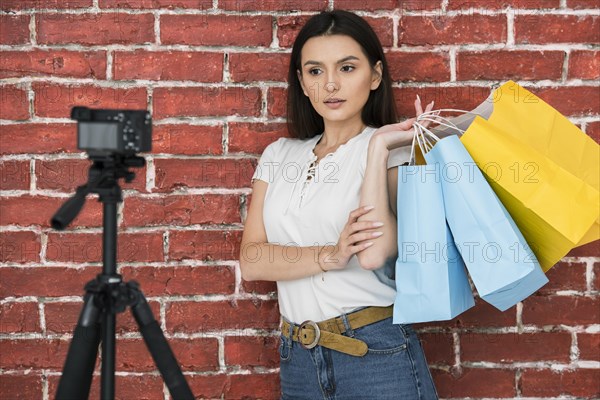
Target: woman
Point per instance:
(333, 261)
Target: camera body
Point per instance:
(104, 132)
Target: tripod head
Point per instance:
(103, 179)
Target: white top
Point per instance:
(309, 206)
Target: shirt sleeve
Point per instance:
(398, 156)
(265, 169)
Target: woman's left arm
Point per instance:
(378, 184)
(380, 187)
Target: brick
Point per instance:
(428, 66)
(200, 102)
(475, 382)
(236, 386)
(288, 28)
(277, 102)
(571, 101)
(16, 64)
(591, 249)
(584, 64)
(54, 100)
(154, 4)
(63, 317)
(14, 103)
(460, 29)
(45, 281)
(172, 173)
(216, 30)
(252, 351)
(253, 137)
(589, 346)
(535, 28)
(512, 347)
(496, 5)
(187, 139)
(438, 347)
(127, 387)
(259, 287)
(182, 210)
(87, 247)
(593, 130)
(19, 246)
(463, 98)
(204, 245)
(43, 4)
(596, 279)
(14, 175)
(182, 281)
(34, 353)
(38, 210)
(168, 65)
(561, 310)
(581, 383)
(95, 29)
(205, 316)
(38, 138)
(65, 175)
(565, 276)
(15, 29)
(250, 67)
(503, 65)
(273, 5)
(384, 4)
(19, 318)
(199, 354)
(579, 4)
(26, 385)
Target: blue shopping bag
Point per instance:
(501, 264)
(431, 281)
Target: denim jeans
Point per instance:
(393, 368)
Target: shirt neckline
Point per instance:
(337, 151)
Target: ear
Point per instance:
(301, 82)
(377, 75)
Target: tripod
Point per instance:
(108, 295)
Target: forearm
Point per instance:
(374, 191)
(272, 262)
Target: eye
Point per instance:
(348, 68)
(314, 71)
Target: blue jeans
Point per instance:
(393, 368)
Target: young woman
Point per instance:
(309, 228)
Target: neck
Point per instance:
(339, 132)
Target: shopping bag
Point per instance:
(501, 264)
(431, 280)
(543, 168)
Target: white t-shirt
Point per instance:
(313, 212)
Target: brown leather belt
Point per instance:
(329, 333)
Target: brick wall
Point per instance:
(213, 74)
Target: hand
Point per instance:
(401, 134)
(351, 241)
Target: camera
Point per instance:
(122, 132)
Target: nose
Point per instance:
(331, 85)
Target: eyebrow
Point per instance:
(312, 62)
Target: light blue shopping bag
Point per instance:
(431, 280)
(501, 264)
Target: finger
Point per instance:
(418, 106)
(359, 247)
(358, 212)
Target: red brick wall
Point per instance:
(213, 74)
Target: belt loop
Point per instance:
(349, 330)
(291, 334)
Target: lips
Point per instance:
(333, 100)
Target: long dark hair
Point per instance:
(302, 119)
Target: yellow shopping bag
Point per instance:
(543, 168)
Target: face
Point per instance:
(337, 77)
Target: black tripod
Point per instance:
(108, 294)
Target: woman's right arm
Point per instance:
(260, 260)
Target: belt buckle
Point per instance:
(317, 334)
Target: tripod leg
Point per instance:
(159, 347)
(78, 370)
